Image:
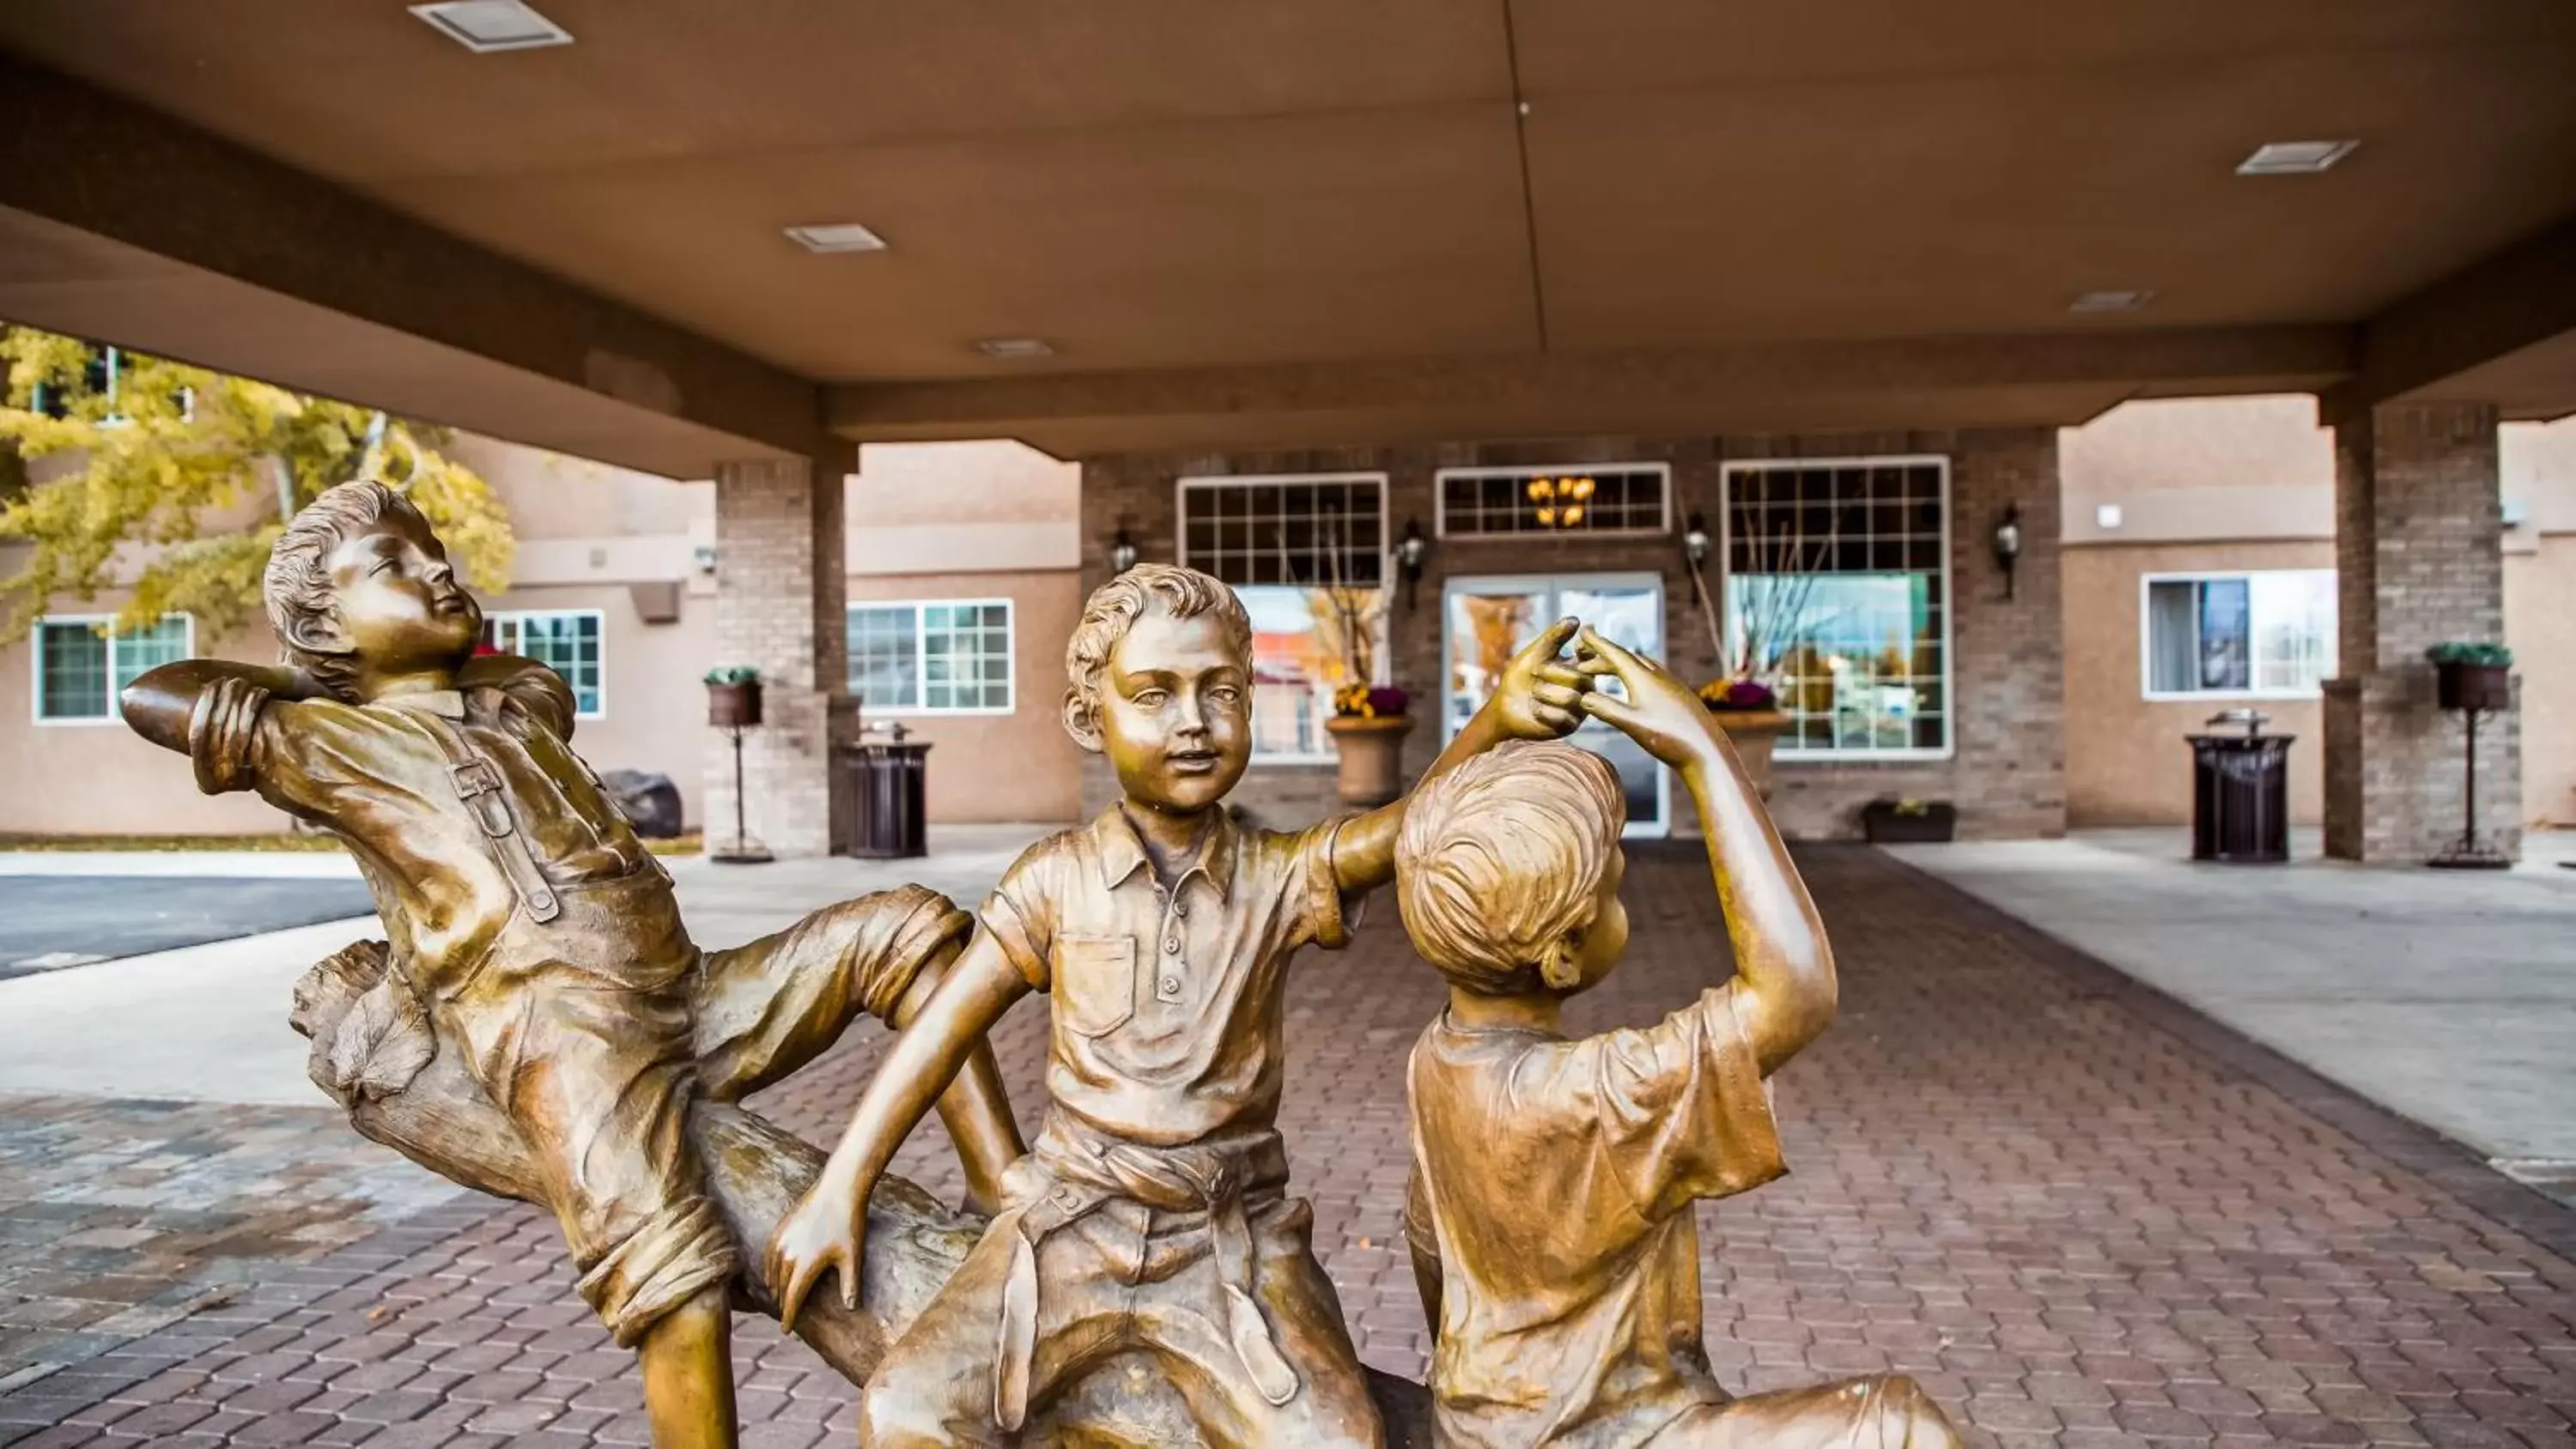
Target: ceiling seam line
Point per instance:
(1529, 203)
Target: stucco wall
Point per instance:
(2126, 763)
(101, 778)
(2540, 627)
(1003, 767)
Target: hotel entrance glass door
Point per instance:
(1486, 620)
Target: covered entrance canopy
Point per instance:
(1269, 225)
(1135, 232)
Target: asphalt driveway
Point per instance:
(49, 923)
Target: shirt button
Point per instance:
(1172, 946)
(1171, 988)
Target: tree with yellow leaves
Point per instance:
(119, 470)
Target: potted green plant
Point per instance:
(733, 696)
(1368, 727)
(2472, 675)
(1889, 820)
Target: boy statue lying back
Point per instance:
(523, 913)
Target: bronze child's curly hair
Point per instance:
(297, 585)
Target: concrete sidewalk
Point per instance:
(208, 1023)
(2447, 997)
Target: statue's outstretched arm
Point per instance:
(157, 705)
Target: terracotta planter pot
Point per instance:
(733, 706)
(1753, 732)
(1372, 756)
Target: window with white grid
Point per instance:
(1319, 532)
(84, 663)
(1837, 596)
(947, 656)
(567, 641)
(1307, 555)
(1522, 502)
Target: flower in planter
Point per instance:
(1740, 693)
(2479, 655)
(733, 674)
(1370, 701)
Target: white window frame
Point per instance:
(106, 622)
(921, 653)
(1210, 482)
(2146, 638)
(1827, 759)
(599, 616)
(1440, 500)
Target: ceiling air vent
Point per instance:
(2294, 158)
(843, 236)
(487, 26)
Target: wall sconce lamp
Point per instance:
(1695, 541)
(1410, 551)
(1122, 551)
(2008, 544)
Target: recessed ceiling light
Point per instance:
(485, 26)
(846, 236)
(2111, 301)
(1015, 347)
(2294, 158)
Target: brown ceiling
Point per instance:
(1152, 185)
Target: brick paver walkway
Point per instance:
(2076, 1213)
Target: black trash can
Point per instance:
(2240, 793)
(884, 781)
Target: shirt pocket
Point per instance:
(1095, 982)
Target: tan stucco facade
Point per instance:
(2217, 485)
(929, 523)
(2126, 760)
(2197, 486)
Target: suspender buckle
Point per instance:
(474, 777)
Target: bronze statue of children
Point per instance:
(1152, 1214)
(521, 909)
(1559, 1262)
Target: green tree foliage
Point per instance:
(173, 481)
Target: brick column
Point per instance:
(2419, 560)
(781, 587)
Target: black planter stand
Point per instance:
(2472, 689)
(735, 709)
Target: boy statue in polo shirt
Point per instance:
(1551, 1220)
(1152, 1213)
(525, 915)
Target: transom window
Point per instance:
(1307, 556)
(1304, 532)
(947, 657)
(84, 663)
(567, 641)
(1837, 596)
(1506, 502)
(2249, 634)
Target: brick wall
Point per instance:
(2418, 530)
(780, 587)
(2007, 771)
